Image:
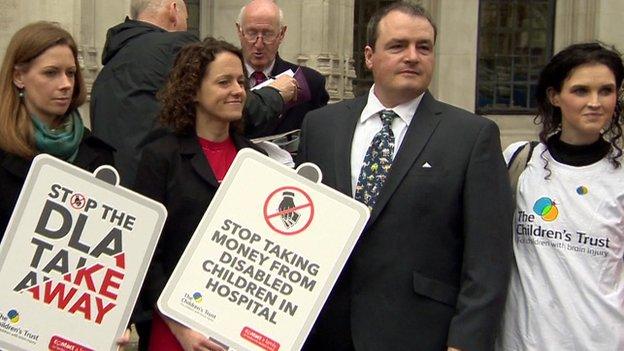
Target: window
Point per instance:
(364, 10)
(515, 42)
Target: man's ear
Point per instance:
(368, 56)
(239, 31)
(553, 96)
(172, 13)
(282, 34)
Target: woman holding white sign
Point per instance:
(203, 106)
(41, 88)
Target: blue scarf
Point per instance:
(61, 142)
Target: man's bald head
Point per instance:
(261, 31)
(268, 6)
(170, 15)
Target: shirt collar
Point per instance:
(405, 110)
(266, 71)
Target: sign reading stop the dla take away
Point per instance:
(73, 258)
(264, 257)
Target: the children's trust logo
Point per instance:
(546, 208)
(14, 316)
(197, 297)
(582, 190)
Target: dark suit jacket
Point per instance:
(431, 267)
(92, 153)
(292, 118)
(174, 171)
(137, 59)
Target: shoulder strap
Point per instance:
(518, 162)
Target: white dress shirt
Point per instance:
(251, 70)
(370, 123)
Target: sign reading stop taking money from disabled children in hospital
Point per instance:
(73, 258)
(264, 257)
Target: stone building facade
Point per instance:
(321, 35)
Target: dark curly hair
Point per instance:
(178, 94)
(558, 70)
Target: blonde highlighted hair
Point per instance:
(16, 134)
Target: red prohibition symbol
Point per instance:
(77, 201)
(288, 210)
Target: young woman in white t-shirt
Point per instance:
(567, 283)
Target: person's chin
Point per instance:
(259, 61)
(60, 111)
(411, 86)
(233, 117)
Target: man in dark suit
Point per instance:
(261, 29)
(430, 270)
(137, 58)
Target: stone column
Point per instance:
(325, 41)
(575, 22)
(456, 49)
(87, 52)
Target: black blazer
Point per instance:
(92, 153)
(431, 267)
(293, 117)
(174, 171)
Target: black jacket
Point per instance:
(292, 118)
(431, 268)
(137, 59)
(92, 153)
(174, 171)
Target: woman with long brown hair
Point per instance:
(41, 88)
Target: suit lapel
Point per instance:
(418, 133)
(342, 144)
(189, 147)
(279, 66)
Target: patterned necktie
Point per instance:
(377, 162)
(258, 77)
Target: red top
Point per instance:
(219, 155)
(161, 338)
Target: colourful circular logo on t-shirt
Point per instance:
(13, 316)
(546, 208)
(582, 190)
(197, 297)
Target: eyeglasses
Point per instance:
(268, 37)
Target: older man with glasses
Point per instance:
(261, 30)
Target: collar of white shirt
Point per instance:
(405, 111)
(266, 71)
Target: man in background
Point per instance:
(261, 30)
(137, 58)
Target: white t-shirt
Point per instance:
(567, 282)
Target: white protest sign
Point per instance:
(264, 257)
(73, 258)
